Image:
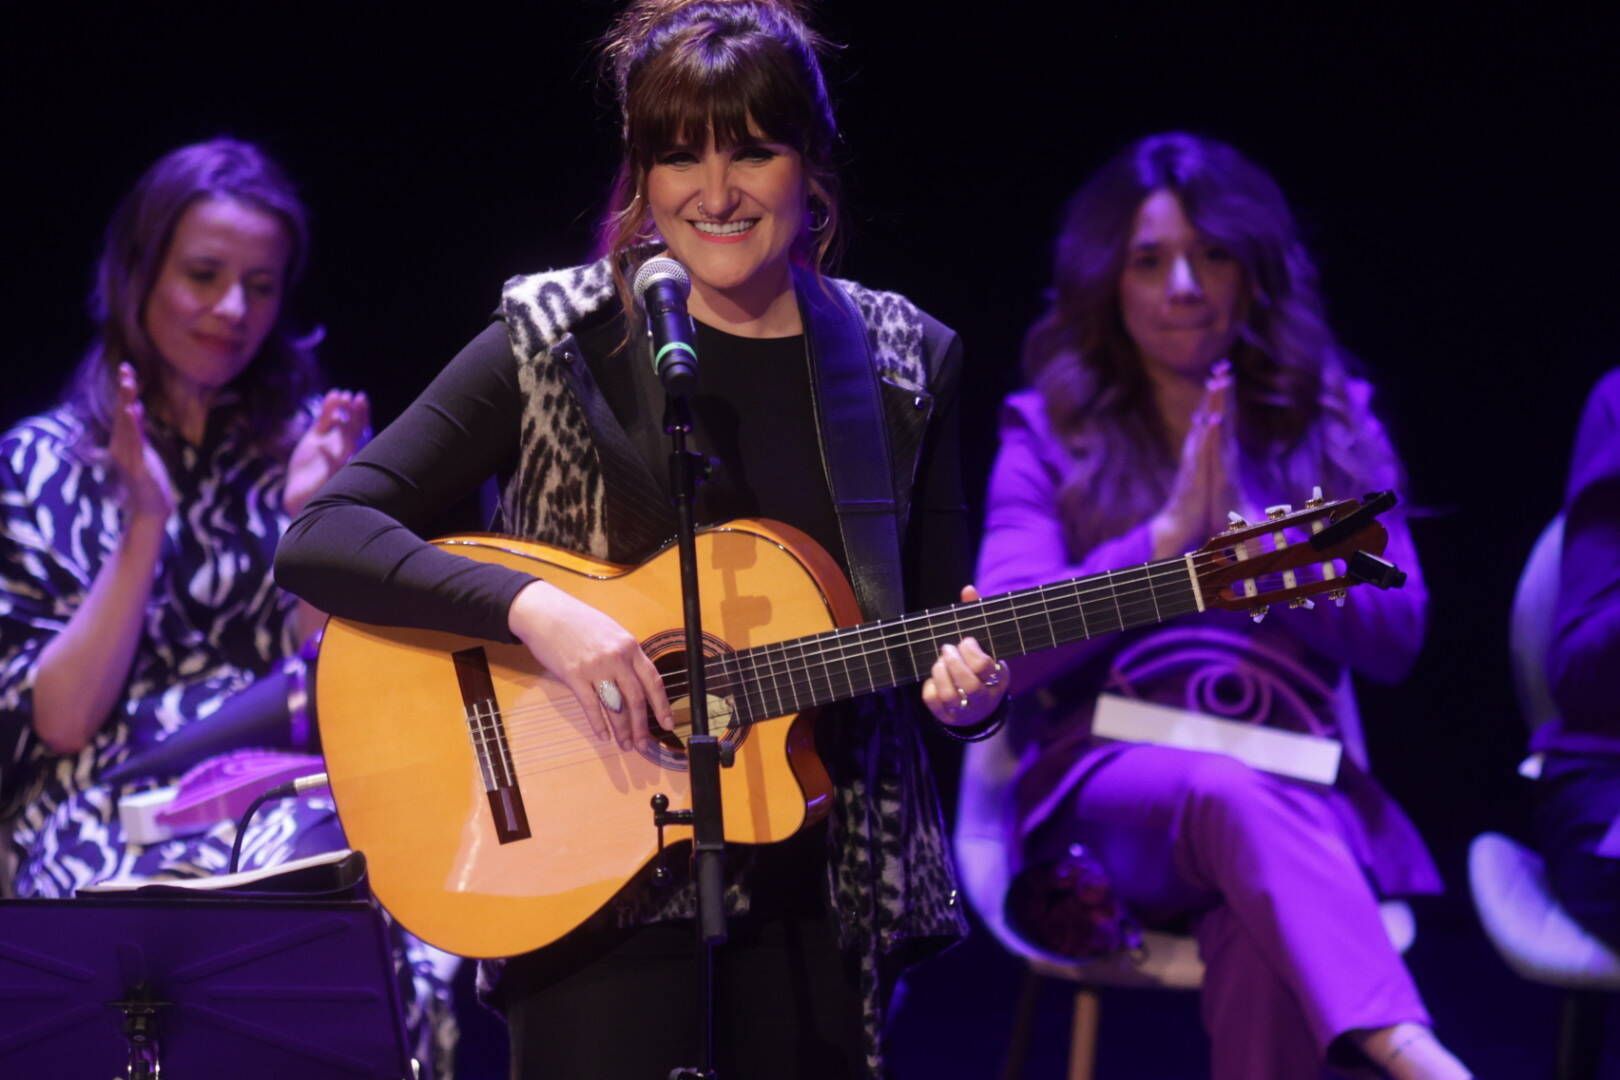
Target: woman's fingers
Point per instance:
(939, 692)
(590, 703)
(965, 683)
(329, 415)
(359, 427)
(962, 672)
(631, 726)
(657, 697)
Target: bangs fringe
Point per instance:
(719, 85)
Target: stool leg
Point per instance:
(1029, 992)
(1083, 1040)
(1580, 1036)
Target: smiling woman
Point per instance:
(138, 523)
(726, 165)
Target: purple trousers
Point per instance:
(1295, 951)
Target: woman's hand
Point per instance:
(1203, 489)
(966, 683)
(339, 429)
(148, 494)
(596, 658)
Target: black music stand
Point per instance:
(165, 982)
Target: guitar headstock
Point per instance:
(1293, 555)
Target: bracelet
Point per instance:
(985, 728)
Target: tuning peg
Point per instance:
(1235, 521)
(1302, 602)
(1258, 614)
(1338, 597)
(1280, 510)
(1316, 498)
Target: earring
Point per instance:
(826, 217)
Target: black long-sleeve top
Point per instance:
(355, 550)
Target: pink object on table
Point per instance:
(218, 789)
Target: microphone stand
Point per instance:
(704, 752)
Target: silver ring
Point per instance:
(994, 678)
(607, 691)
(961, 698)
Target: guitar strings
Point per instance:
(755, 666)
(524, 738)
(522, 750)
(522, 733)
(573, 752)
(901, 629)
(849, 644)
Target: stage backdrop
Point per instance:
(1454, 173)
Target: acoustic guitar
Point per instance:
(493, 820)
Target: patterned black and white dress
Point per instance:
(214, 622)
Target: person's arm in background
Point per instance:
(80, 671)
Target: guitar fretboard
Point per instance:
(791, 676)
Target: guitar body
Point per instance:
(493, 821)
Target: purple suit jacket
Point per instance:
(1291, 671)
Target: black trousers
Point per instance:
(1577, 802)
(608, 1004)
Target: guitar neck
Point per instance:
(791, 676)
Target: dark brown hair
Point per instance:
(680, 67)
(280, 378)
(1302, 417)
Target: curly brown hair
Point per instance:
(1303, 416)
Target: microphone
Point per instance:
(661, 287)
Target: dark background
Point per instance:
(1454, 172)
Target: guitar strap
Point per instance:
(854, 444)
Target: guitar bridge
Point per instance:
(487, 730)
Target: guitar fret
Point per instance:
(1080, 606)
(913, 668)
(788, 667)
(1045, 608)
(776, 691)
(1007, 606)
(861, 649)
(876, 649)
(827, 670)
(852, 651)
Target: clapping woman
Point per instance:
(1183, 371)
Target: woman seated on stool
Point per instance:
(139, 520)
(1185, 369)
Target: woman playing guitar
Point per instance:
(728, 145)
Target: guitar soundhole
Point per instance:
(668, 652)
